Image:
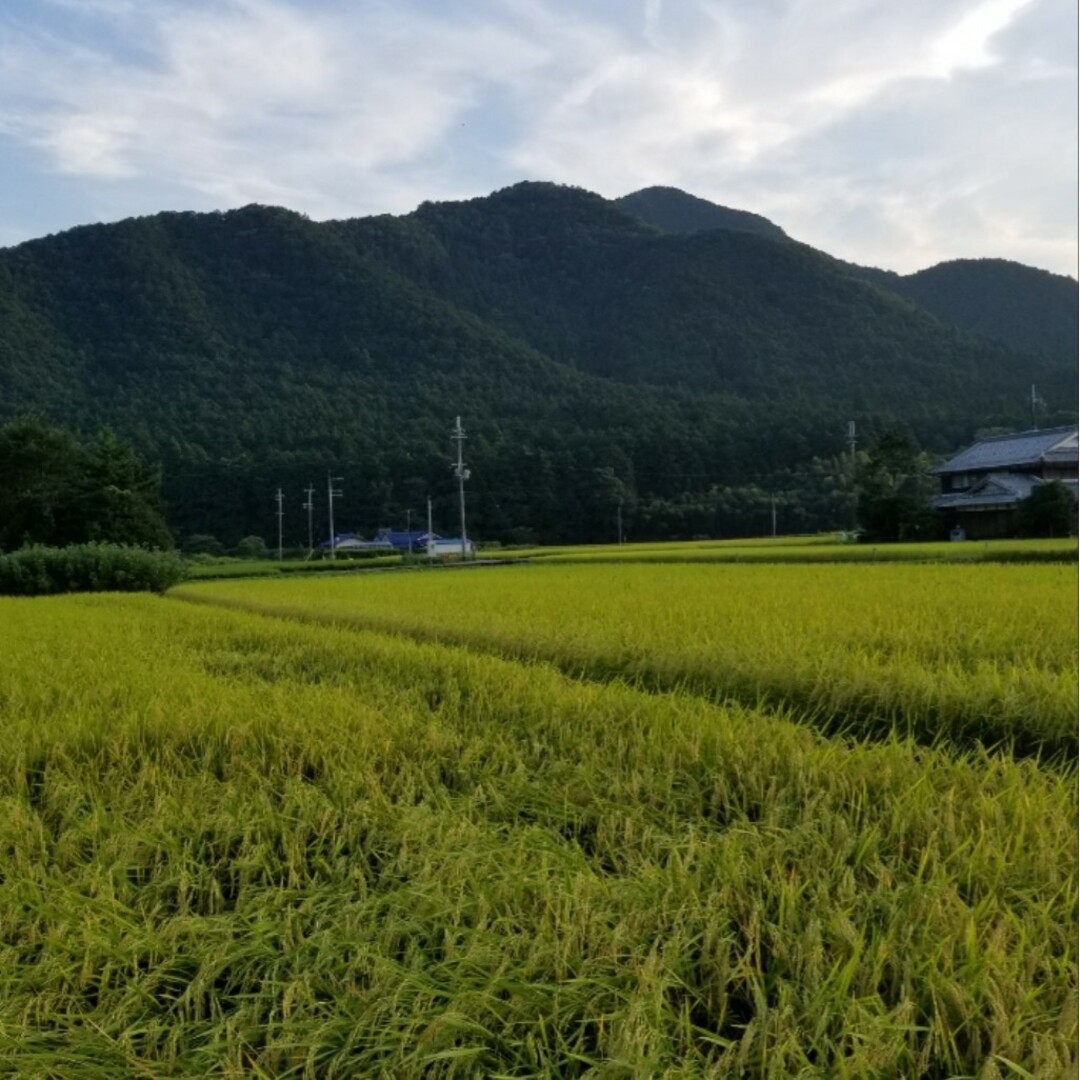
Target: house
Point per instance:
(413, 540)
(982, 485)
(350, 542)
(449, 548)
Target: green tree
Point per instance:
(40, 466)
(895, 488)
(59, 491)
(1050, 510)
(252, 547)
(118, 495)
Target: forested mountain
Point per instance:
(675, 211)
(994, 298)
(594, 360)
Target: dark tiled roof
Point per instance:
(1016, 451)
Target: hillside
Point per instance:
(594, 360)
(675, 211)
(993, 298)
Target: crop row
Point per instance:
(234, 845)
(980, 653)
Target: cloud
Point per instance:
(892, 133)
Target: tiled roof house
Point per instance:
(981, 486)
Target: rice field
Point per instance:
(234, 844)
(958, 652)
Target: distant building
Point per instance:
(443, 547)
(982, 485)
(352, 542)
(414, 540)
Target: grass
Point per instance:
(240, 846)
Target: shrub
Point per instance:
(39, 570)
(252, 547)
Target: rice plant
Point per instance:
(240, 846)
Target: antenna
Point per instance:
(279, 498)
(459, 436)
(332, 493)
(309, 506)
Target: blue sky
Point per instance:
(892, 134)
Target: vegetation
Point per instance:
(690, 379)
(40, 570)
(957, 653)
(58, 490)
(1003, 300)
(1050, 510)
(239, 846)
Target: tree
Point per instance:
(1049, 510)
(119, 495)
(252, 547)
(39, 465)
(59, 491)
(895, 488)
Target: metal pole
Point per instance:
(619, 519)
(430, 534)
(773, 500)
(408, 529)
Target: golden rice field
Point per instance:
(239, 845)
(967, 652)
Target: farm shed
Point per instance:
(982, 485)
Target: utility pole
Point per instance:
(854, 479)
(773, 501)
(430, 534)
(332, 493)
(309, 506)
(458, 435)
(1035, 400)
(280, 499)
(408, 529)
(618, 518)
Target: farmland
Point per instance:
(542, 820)
(931, 649)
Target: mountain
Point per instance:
(994, 298)
(595, 361)
(672, 210)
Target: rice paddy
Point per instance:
(235, 844)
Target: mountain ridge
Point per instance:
(595, 359)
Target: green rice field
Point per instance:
(544, 821)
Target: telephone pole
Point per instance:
(279, 498)
(309, 506)
(618, 518)
(854, 478)
(459, 436)
(430, 534)
(332, 493)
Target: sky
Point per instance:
(893, 133)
